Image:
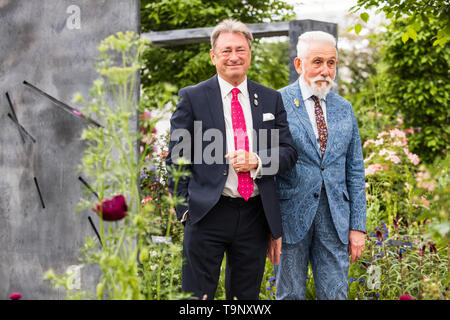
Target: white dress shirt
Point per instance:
(309, 103)
(231, 185)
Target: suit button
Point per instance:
(225, 172)
(322, 168)
(316, 195)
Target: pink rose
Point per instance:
(425, 202)
(372, 169)
(414, 158)
(394, 159)
(397, 133)
(367, 142)
(379, 142)
(405, 297)
(146, 115)
(112, 209)
(148, 199)
(15, 296)
(382, 133)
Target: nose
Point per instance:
(325, 71)
(234, 56)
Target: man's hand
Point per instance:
(274, 250)
(357, 242)
(242, 160)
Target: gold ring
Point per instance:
(237, 169)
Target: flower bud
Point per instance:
(143, 255)
(112, 209)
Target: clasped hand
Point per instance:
(242, 161)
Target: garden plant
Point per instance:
(138, 250)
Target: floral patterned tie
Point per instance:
(321, 125)
(245, 182)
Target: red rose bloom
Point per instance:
(112, 209)
(15, 296)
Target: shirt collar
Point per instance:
(304, 88)
(226, 87)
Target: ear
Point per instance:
(213, 57)
(298, 65)
(335, 73)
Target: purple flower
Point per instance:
(432, 247)
(380, 236)
(112, 209)
(396, 221)
(422, 250)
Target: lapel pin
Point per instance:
(255, 102)
(297, 103)
(256, 96)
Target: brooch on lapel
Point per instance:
(255, 101)
(297, 103)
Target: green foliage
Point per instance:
(185, 65)
(411, 82)
(270, 64)
(416, 85)
(417, 268)
(414, 13)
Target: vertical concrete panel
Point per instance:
(40, 46)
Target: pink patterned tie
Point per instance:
(245, 182)
(321, 125)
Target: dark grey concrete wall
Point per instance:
(39, 45)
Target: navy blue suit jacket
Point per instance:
(203, 188)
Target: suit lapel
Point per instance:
(257, 109)
(331, 123)
(215, 107)
(302, 114)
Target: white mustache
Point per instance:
(321, 78)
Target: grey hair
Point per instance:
(232, 26)
(306, 38)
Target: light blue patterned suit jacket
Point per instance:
(341, 169)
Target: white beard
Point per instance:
(322, 91)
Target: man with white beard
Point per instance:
(322, 198)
